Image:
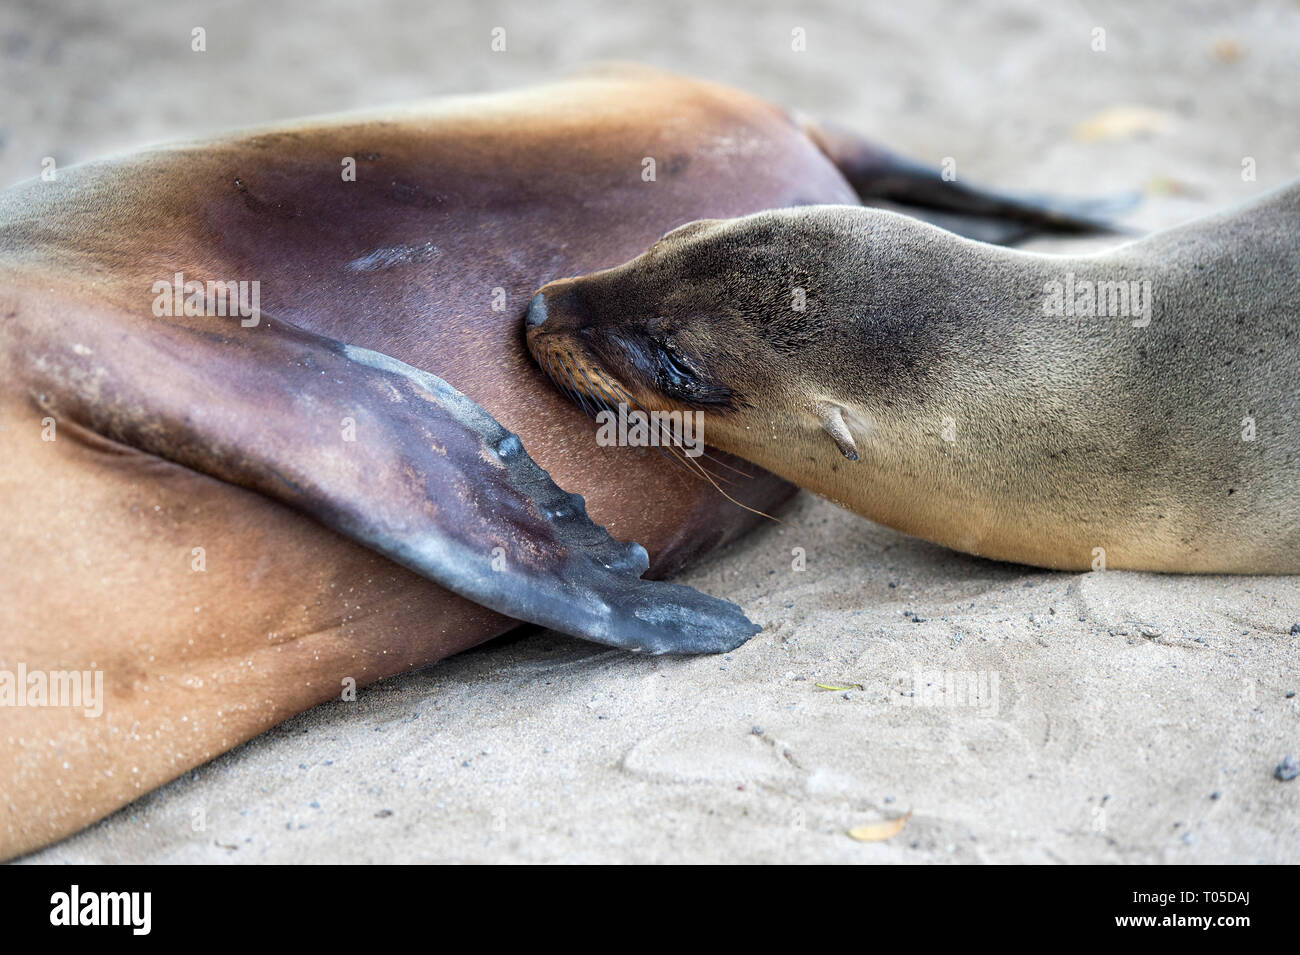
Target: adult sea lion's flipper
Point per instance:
(386, 454)
(878, 175)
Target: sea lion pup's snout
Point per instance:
(560, 333)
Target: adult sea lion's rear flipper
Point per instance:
(386, 454)
(878, 175)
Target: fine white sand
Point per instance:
(1123, 717)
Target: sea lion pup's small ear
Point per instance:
(832, 417)
(688, 229)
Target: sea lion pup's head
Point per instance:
(760, 322)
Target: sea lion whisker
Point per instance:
(667, 449)
(548, 367)
(588, 409)
(559, 377)
(576, 394)
(709, 477)
(571, 388)
(595, 393)
(676, 438)
(582, 395)
(693, 467)
(554, 370)
(673, 448)
(592, 391)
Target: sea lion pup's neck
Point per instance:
(928, 382)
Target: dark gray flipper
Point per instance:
(386, 454)
(878, 175)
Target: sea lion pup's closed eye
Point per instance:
(1136, 408)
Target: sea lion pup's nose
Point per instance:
(557, 305)
(536, 311)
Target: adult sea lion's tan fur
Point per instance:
(456, 206)
(452, 200)
(945, 388)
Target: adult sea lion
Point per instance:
(209, 509)
(1137, 408)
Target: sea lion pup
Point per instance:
(1137, 408)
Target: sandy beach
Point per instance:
(1003, 714)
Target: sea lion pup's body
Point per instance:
(1138, 407)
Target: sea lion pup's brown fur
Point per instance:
(1138, 408)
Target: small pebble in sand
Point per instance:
(1290, 694)
(1216, 794)
(1295, 629)
(383, 814)
(1287, 770)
